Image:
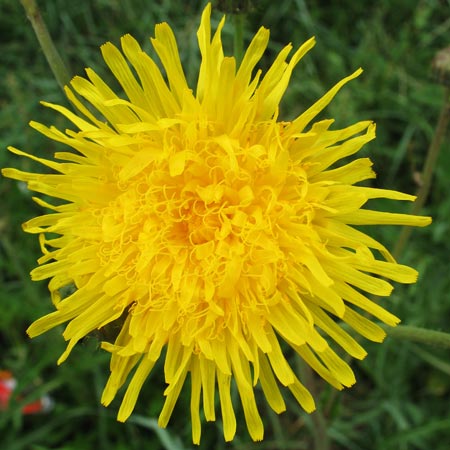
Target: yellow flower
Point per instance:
(210, 230)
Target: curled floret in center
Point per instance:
(206, 225)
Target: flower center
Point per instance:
(200, 222)
(208, 226)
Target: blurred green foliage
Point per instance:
(401, 399)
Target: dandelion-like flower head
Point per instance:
(214, 229)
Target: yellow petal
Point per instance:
(226, 405)
(302, 395)
(196, 386)
(300, 123)
(208, 376)
(269, 386)
(134, 388)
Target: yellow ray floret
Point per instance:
(210, 232)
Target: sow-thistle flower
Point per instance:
(214, 234)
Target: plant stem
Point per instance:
(430, 163)
(53, 57)
(416, 334)
(319, 430)
(238, 37)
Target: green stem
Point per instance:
(53, 58)
(416, 334)
(319, 428)
(430, 163)
(321, 441)
(238, 40)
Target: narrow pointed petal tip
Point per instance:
(204, 232)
